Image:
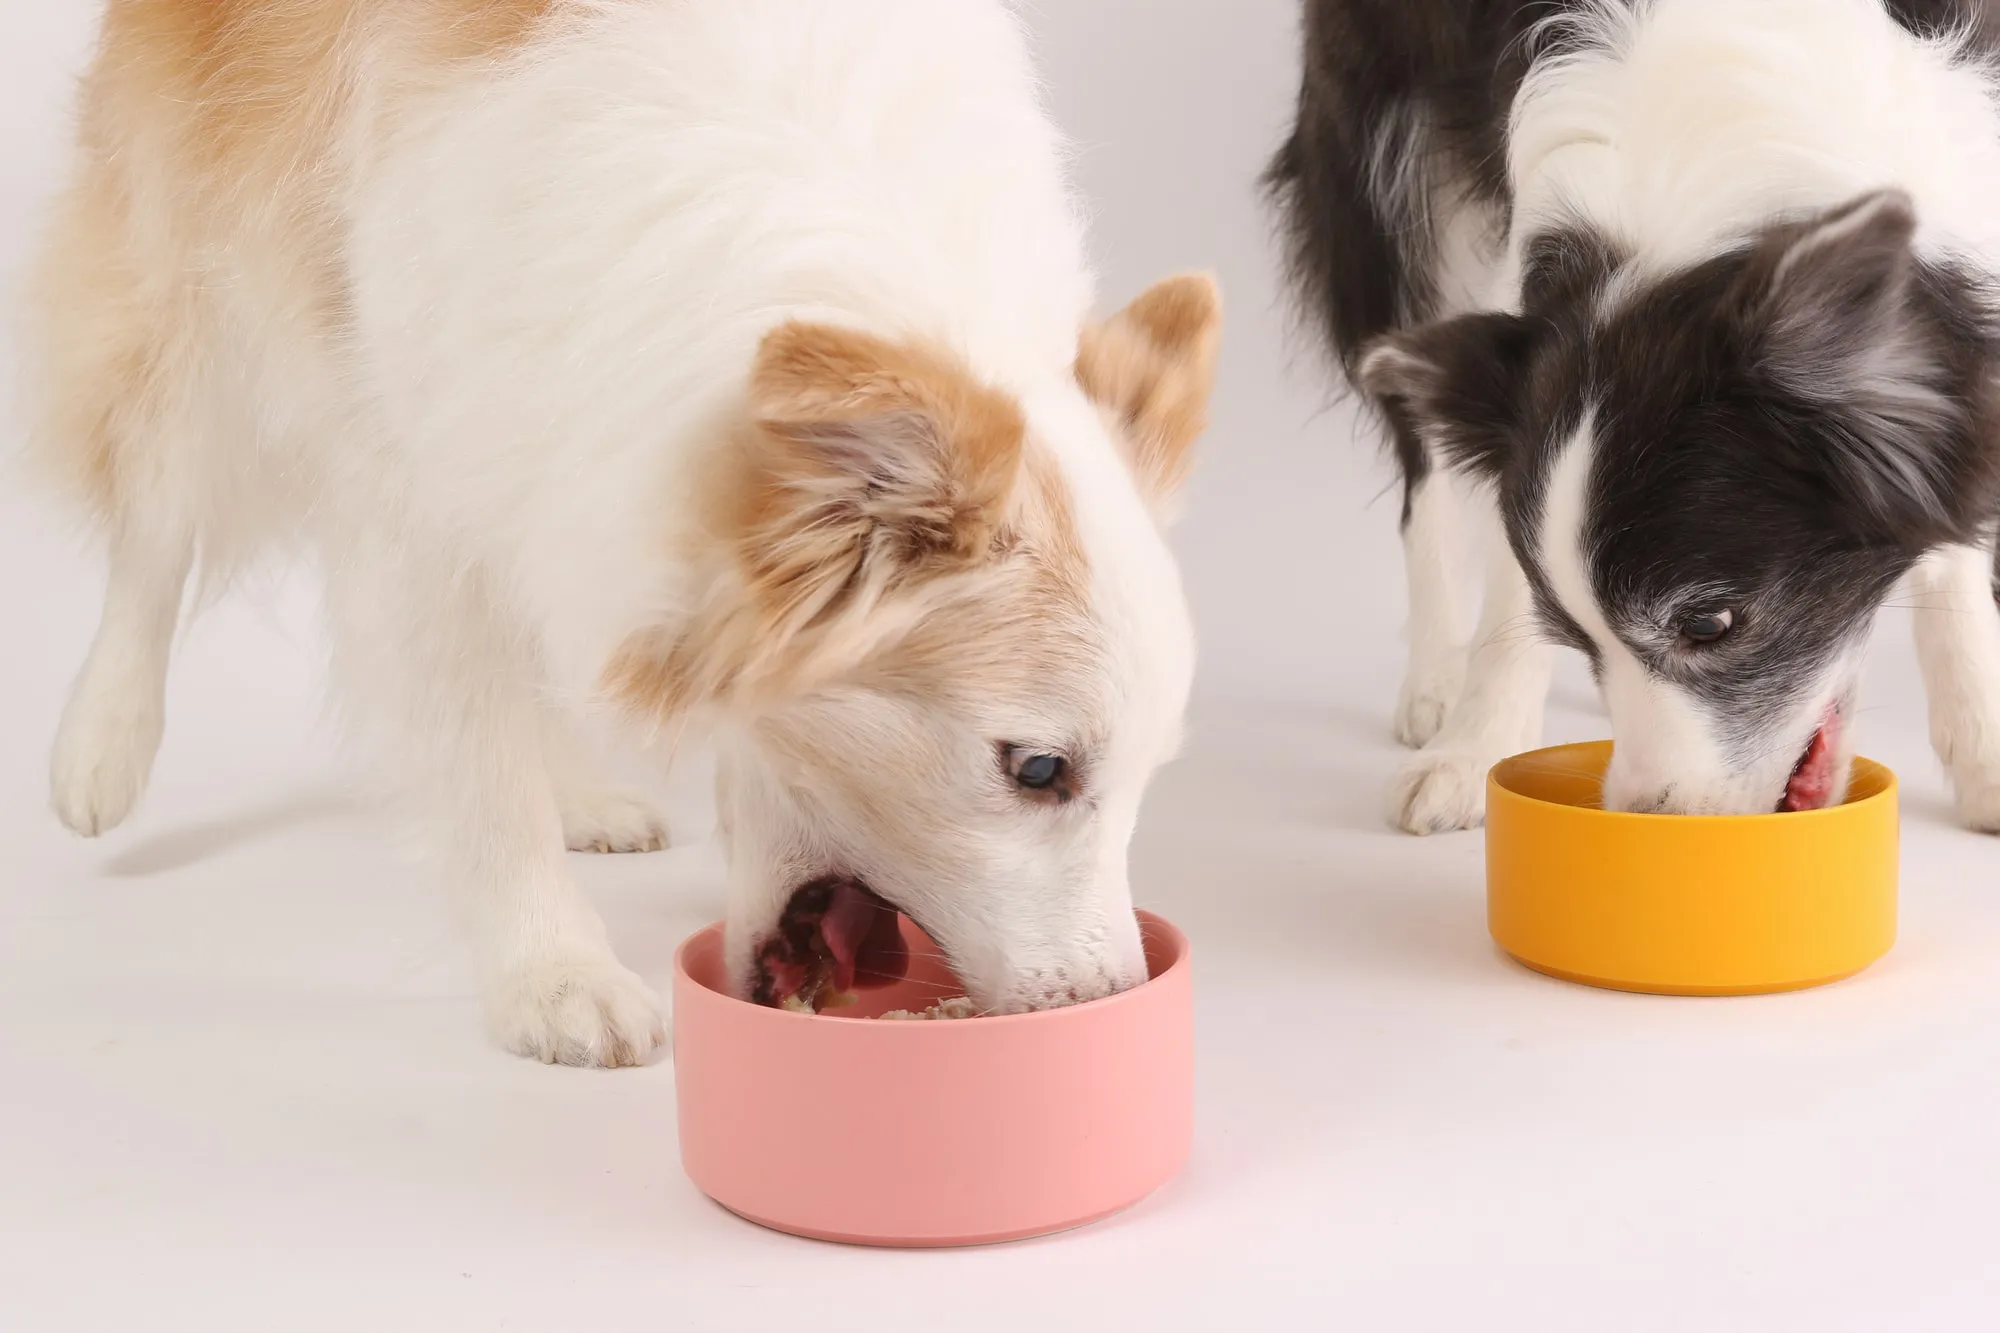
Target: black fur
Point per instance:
(1361, 262)
(1780, 431)
(1744, 462)
(1435, 78)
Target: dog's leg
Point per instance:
(111, 727)
(432, 653)
(1958, 645)
(1443, 786)
(1431, 542)
(597, 814)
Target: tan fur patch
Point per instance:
(99, 346)
(208, 127)
(813, 380)
(248, 85)
(1152, 366)
(210, 136)
(1030, 632)
(1047, 527)
(867, 473)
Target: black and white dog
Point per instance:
(1702, 293)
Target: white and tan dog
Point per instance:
(701, 357)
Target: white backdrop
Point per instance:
(244, 1085)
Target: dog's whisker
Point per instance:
(942, 987)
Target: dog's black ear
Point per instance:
(1835, 288)
(1842, 326)
(1457, 385)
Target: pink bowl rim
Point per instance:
(1184, 953)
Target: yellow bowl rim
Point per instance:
(1496, 785)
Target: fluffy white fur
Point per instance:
(640, 200)
(557, 266)
(1958, 646)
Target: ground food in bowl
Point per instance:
(799, 1004)
(957, 1007)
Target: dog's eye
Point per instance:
(1037, 772)
(1707, 627)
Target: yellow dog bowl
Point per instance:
(1685, 904)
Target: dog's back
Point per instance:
(1393, 186)
(223, 307)
(317, 261)
(210, 139)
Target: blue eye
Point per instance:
(1708, 627)
(1039, 772)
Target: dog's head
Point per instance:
(1714, 477)
(951, 648)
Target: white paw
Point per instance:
(587, 1011)
(103, 754)
(610, 820)
(1978, 793)
(1438, 791)
(1426, 700)
(1970, 751)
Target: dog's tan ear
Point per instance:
(864, 443)
(867, 470)
(1152, 366)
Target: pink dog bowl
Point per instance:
(946, 1132)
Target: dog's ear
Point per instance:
(1152, 366)
(868, 473)
(1457, 385)
(1831, 290)
(1837, 326)
(872, 452)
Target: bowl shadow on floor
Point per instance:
(1271, 836)
(1321, 765)
(1923, 805)
(178, 848)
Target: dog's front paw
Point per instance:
(1426, 700)
(1438, 791)
(103, 754)
(588, 1011)
(1977, 789)
(610, 820)
(1969, 748)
